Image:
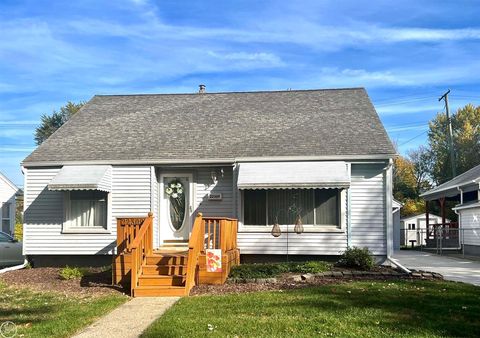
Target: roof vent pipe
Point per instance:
(202, 89)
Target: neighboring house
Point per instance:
(413, 228)
(8, 192)
(465, 189)
(396, 206)
(261, 157)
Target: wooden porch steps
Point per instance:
(178, 265)
(163, 274)
(159, 291)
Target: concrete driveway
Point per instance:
(454, 269)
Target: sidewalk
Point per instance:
(130, 319)
(454, 269)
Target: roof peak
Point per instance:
(240, 92)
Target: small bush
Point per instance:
(267, 270)
(310, 267)
(357, 258)
(71, 273)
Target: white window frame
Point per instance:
(68, 228)
(340, 228)
(9, 218)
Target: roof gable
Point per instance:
(339, 122)
(6, 182)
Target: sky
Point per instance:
(406, 54)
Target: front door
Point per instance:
(176, 206)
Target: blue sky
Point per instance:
(406, 55)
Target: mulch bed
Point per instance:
(96, 283)
(284, 282)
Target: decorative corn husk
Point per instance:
(276, 231)
(298, 225)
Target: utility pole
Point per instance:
(450, 132)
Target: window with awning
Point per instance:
(296, 175)
(319, 207)
(282, 191)
(83, 177)
(86, 190)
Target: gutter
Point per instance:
(16, 267)
(159, 161)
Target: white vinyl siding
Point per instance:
(205, 185)
(470, 225)
(322, 243)
(368, 200)
(44, 212)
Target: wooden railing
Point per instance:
(221, 233)
(208, 233)
(141, 247)
(127, 229)
(195, 247)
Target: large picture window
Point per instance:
(320, 207)
(87, 209)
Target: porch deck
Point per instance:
(173, 269)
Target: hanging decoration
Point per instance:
(276, 231)
(298, 225)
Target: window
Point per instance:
(6, 217)
(315, 206)
(411, 226)
(87, 209)
(5, 238)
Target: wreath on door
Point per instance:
(174, 191)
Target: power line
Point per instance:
(397, 103)
(413, 138)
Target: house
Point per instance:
(465, 190)
(321, 158)
(8, 193)
(396, 207)
(414, 227)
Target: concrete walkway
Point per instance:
(130, 319)
(454, 269)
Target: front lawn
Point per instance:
(48, 314)
(356, 309)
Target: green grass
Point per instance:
(46, 314)
(267, 270)
(355, 309)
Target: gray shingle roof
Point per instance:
(332, 122)
(449, 188)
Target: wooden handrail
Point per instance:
(127, 229)
(141, 246)
(195, 247)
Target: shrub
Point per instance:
(310, 267)
(357, 258)
(267, 270)
(71, 273)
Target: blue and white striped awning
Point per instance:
(294, 175)
(83, 177)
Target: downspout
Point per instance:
(16, 267)
(349, 211)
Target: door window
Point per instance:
(175, 192)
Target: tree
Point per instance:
(421, 161)
(466, 143)
(404, 181)
(50, 123)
